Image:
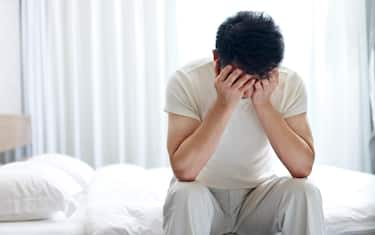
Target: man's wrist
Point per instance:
(263, 106)
(222, 107)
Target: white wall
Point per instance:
(10, 82)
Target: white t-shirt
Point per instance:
(243, 157)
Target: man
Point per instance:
(226, 118)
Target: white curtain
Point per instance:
(95, 72)
(370, 6)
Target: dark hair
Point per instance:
(252, 41)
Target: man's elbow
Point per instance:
(303, 171)
(182, 171)
(184, 175)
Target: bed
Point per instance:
(126, 199)
(348, 201)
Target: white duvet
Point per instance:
(127, 200)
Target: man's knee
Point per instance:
(301, 189)
(302, 208)
(183, 199)
(188, 207)
(188, 190)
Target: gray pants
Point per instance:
(278, 205)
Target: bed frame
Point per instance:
(15, 131)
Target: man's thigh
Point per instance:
(263, 211)
(191, 204)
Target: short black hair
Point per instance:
(252, 41)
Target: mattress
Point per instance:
(58, 225)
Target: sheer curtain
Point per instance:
(370, 6)
(95, 72)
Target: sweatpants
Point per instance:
(279, 205)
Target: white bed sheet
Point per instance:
(58, 225)
(127, 200)
(348, 200)
(136, 209)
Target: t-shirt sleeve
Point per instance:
(179, 97)
(296, 102)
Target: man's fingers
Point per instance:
(224, 73)
(265, 84)
(233, 77)
(258, 86)
(249, 84)
(241, 81)
(272, 79)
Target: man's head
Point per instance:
(251, 41)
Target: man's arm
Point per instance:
(291, 138)
(191, 143)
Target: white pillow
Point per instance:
(81, 172)
(29, 191)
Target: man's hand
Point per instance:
(231, 85)
(264, 89)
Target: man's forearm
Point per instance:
(192, 155)
(293, 151)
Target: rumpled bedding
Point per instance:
(127, 200)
